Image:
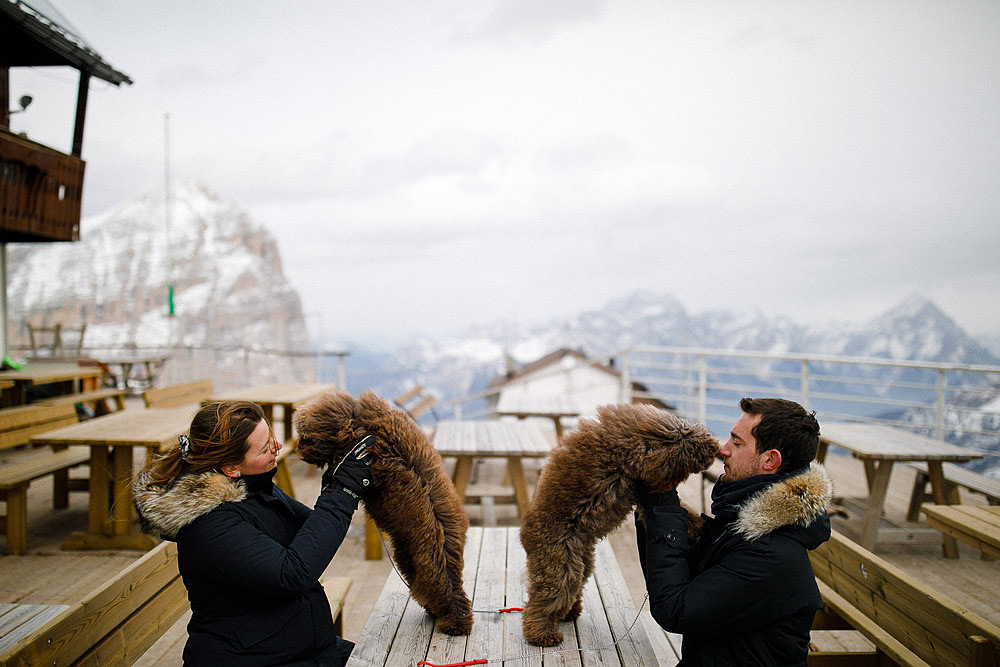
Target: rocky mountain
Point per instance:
(229, 289)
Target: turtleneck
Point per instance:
(260, 483)
(727, 497)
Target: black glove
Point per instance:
(651, 499)
(352, 474)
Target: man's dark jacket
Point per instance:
(251, 557)
(744, 592)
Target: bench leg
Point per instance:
(918, 496)
(17, 520)
(283, 478)
(60, 489)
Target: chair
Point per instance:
(55, 347)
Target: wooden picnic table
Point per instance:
(879, 447)
(523, 405)
(468, 440)
(399, 632)
(150, 365)
(978, 525)
(112, 439)
(288, 396)
(16, 392)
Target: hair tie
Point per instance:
(184, 445)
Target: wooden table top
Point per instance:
(531, 405)
(278, 394)
(983, 521)
(399, 632)
(876, 441)
(47, 373)
(491, 437)
(145, 427)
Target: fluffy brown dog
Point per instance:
(413, 500)
(587, 489)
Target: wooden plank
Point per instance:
(154, 428)
(336, 589)
(18, 425)
(18, 621)
(15, 474)
(87, 622)
(413, 636)
(140, 630)
(967, 479)
(380, 629)
(978, 526)
(486, 639)
(633, 647)
(925, 621)
(178, 395)
(887, 443)
(446, 649)
(516, 595)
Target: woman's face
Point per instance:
(261, 451)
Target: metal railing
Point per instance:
(948, 401)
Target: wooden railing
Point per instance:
(40, 191)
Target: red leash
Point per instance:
(481, 661)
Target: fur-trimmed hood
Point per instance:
(798, 500)
(164, 512)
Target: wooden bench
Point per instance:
(177, 395)
(99, 397)
(978, 525)
(17, 425)
(112, 626)
(416, 402)
(907, 622)
(336, 592)
(955, 476)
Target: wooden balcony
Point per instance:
(40, 192)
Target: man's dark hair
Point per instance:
(785, 426)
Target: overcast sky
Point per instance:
(428, 165)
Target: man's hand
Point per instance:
(352, 474)
(648, 499)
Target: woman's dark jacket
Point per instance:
(744, 592)
(251, 557)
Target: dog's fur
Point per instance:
(413, 500)
(587, 488)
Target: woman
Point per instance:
(250, 555)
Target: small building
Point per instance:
(41, 188)
(584, 383)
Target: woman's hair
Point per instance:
(218, 437)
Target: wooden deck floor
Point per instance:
(48, 575)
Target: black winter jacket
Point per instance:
(744, 592)
(251, 557)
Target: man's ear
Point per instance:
(771, 461)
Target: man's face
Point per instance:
(740, 451)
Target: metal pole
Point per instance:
(702, 388)
(626, 379)
(940, 404)
(3, 301)
(804, 389)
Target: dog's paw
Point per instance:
(455, 625)
(574, 611)
(543, 638)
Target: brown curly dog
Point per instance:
(413, 500)
(587, 488)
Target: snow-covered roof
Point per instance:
(36, 34)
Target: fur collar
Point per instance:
(799, 500)
(166, 511)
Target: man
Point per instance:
(744, 593)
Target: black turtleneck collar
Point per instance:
(260, 483)
(727, 497)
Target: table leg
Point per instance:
(939, 490)
(287, 412)
(821, 451)
(559, 427)
(121, 501)
(463, 472)
(100, 477)
(879, 486)
(515, 470)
